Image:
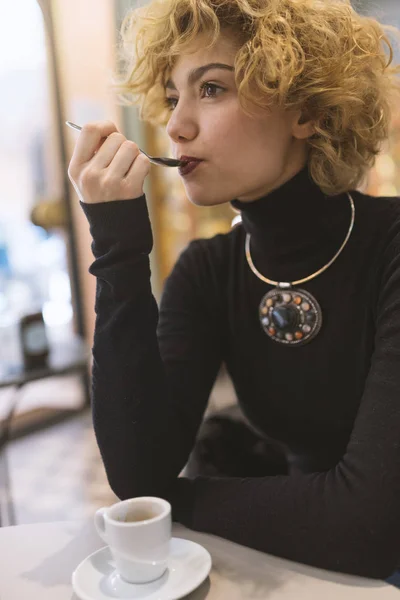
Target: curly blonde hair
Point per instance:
(317, 56)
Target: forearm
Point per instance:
(139, 431)
(150, 390)
(316, 519)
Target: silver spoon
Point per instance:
(165, 162)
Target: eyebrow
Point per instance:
(195, 74)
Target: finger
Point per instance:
(108, 150)
(123, 159)
(139, 169)
(89, 140)
(100, 144)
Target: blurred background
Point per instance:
(56, 63)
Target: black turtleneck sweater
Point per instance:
(334, 402)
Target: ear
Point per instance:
(303, 126)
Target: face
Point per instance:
(243, 157)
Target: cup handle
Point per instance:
(99, 523)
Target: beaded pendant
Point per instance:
(290, 315)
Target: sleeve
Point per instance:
(149, 393)
(346, 519)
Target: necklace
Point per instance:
(290, 315)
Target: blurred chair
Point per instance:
(7, 513)
(64, 359)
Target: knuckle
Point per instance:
(93, 126)
(131, 145)
(116, 135)
(89, 127)
(144, 159)
(109, 181)
(71, 172)
(88, 176)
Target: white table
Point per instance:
(36, 563)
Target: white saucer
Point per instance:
(188, 566)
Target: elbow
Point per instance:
(125, 489)
(125, 486)
(122, 489)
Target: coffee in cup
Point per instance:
(139, 514)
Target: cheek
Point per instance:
(235, 134)
(246, 145)
(218, 132)
(226, 129)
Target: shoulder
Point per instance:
(380, 212)
(377, 223)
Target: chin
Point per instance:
(205, 198)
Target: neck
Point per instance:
(295, 229)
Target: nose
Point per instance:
(182, 124)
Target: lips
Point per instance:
(192, 163)
(189, 158)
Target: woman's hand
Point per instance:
(105, 166)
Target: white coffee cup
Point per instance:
(138, 532)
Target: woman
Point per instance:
(286, 103)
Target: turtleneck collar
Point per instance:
(295, 229)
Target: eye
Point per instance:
(169, 102)
(205, 87)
